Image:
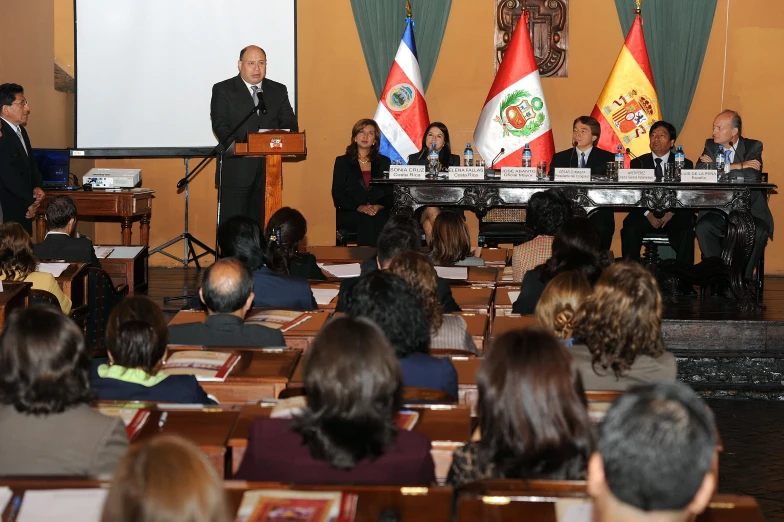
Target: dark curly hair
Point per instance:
(240, 237)
(354, 389)
(416, 269)
(389, 302)
(622, 318)
(137, 334)
(17, 260)
(548, 211)
(44, 363)
(285, 229)
(576, 246)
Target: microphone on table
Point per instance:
(574, 146)
(262, 106)
(630, 153)
(492, 163)
(734, 152)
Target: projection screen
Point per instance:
(145, 69)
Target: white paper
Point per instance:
(699, 176)
(636, 175)
(578, 511)
(53, 268)
(5, 495)
(452, 272)
(518, 174)
(345, 270)
(102, 252)
(573, 175)
(466, 173)
(125, 252)
(324, 296)
(62, 505)
(513, 295)
(407, 172)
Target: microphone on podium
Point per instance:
(492, 163)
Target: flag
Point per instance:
(402, 111)
(628, 104)
(515, 112)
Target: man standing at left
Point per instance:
(243, 178)
(20, 179)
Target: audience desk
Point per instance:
(340, 254)
(495, 256)
(475, 299)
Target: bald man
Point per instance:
(232, 100)
(227, 293)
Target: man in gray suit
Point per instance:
(243, 178)
(745, 159)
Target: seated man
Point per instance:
(677, 224)
(745, 158)
(586, 132)
(656, 457)
(400, 235)
(227, 291)
(58, 243)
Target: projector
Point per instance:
(112, 178)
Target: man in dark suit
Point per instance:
(745, 160)
(585, 154)
(58, 243)
(227, 291)
(677, 224)
(243, 178)
(20, 179)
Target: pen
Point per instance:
(162, 420)
(14, 510)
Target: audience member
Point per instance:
(58, 243)
(137, 338)
(546, 212)
(618, 331)
(656, 457)
(533, 418)
(560, 301)
(227, 291)
(346, 434)
(240, 237)
(401, 236)
(47, 424)
(17, 263)
(576, 246)
(389, 302)
(285, 229)
(450, 243)
(166, 478)
(447, 331)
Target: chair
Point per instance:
(343, 236)
(42, 296)
(653, 242)
(102, 297)
(504, 225)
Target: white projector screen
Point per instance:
(145, 69)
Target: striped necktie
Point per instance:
(19, 133)
(255, 89)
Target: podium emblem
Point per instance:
(276, 143)
(400, 97)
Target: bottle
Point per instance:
(720, 160)
(527, 156)
(680, 158)
(620, 158)
(432, 159)
(468, 156)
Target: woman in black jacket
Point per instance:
(359, 205)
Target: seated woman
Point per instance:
(436, 133)
(546, 212)
(447, 331)
(533, 419)
(560, 301)
(166, 478)
(240, 237)
(17, 263)
(361, 206)
(617, 332)
(450, 243)
(576, 246)
(346, 434)
(136, 339)
(388, 301)
(285, 229)
(47, 424)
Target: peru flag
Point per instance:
(515, 112)
(402, 111)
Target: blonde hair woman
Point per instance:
(560, 300)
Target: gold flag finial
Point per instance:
(525, 5)
(638, 10)
(408, 8)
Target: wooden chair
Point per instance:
(343, 236)
(102, 297)
(504, 225)
(42, 296)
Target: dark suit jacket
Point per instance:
(225, 330)
(646, 161)
(304, 265)
(70, 249)
(282, 291)
(418, 158)
(231, 102)
(348, 187)
(530, 291)
(570, 158)
(421, 370)
(448, 303)
(276, 453)
(746, 150)
(19, 175)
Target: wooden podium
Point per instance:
(272, 145)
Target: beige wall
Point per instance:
(335, 91)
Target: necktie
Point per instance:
(19, 133)
(255, 89)
(658, 170)
(582, 160)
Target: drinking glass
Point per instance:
(541, 171)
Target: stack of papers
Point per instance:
(56, 269)
(324, 296)
(62, 505)
(347, 270)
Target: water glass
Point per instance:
(541, 171)
(612, 171)
(670, 172)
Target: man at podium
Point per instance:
(243, 178)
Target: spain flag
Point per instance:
(628, 104)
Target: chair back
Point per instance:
(42, 296)
(102, 297)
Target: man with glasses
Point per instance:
(243, 178)
(677, 224)
(20, 179)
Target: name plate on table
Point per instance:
(466, 173)
(698, 176)
(518, 174)
(637, 175)
(407, 172)
(573, 175)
